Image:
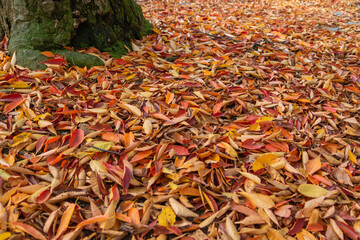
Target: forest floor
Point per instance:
(236, 120)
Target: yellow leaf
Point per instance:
(167, 217)
(311, 190)
(254, 127)
(308, 78)
(5, 235)
(265, 119)
(156, 30)
(41, 116)
(4, 175)
(130, 77)
(102, 145)
(352, 157)
(230, 150)
(273, 234)
(19, 84)
(259, 200)
(23, 137)
(263, 160)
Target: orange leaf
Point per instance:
(123, 217)
(11, 106)
(65, 220)
(263, 160)
(30, 230)
(169, 97)
(129, 139)
(111, 137)
(217, 107)
(134, 215)
(92, 220)
(47, 54)
(141, 155)
(313, 166)
(160, 116)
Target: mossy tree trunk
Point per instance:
(38, 25)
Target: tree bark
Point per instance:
(38, 25)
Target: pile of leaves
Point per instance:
(236, 120)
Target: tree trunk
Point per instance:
(38, 25)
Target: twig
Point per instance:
(104, 150)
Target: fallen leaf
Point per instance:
(167, 217)
(259, 200)
(311, 190)
(76, 138)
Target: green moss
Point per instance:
(80, 59)
(41, 25)
(118, 49)
(32, 58)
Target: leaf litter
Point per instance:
(236, 120)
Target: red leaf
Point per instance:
(115, 193)
(76, 138)
(40, 144)
(174, 230)
(120, 61)
(54, 90)
(298, 225)
(349, 231)
(44, 196)
(127, 178)
(11, 97)
(11, 106)
(179, 150)
(54, 160)
(251, 144)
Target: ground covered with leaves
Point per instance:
(236, 120)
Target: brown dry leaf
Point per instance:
(227, 102)
(231, 229)
(180, 210)
(259, 200)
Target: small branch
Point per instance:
(104, 150)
